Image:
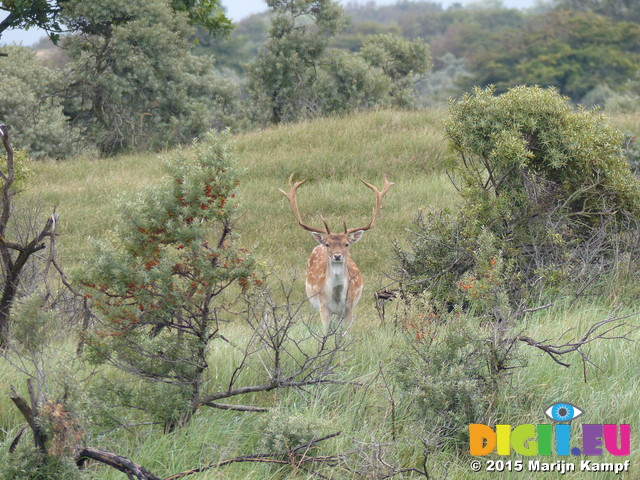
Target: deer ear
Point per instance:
(355, 236)
(320, 237)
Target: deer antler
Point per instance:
(376, 210)
(293, 203)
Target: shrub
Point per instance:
(27, 463)
(133, 83)
(546, 194)
(282, 431)
(29, 106)
(444, 373)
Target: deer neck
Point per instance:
(337, 285)
(337, 272)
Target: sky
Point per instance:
(239, 9)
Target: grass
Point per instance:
(332, 154)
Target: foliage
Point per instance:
(572, 51)
(132, 83)
(209, 14)
(347, 83)
(161, 291)
(365, 407)
(620, 10)
(444, 373)
(627, 99)
(436, 88)
(43, 14)
(295, 76)
(29, 106)
(547, 195)
(632, 152)
(282, 76)
(27, 463)
(237, 49)
(400, 60)
(282, 431)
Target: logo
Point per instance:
(561, 438)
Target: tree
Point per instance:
(169, 289)
(208, 14)
(297, 76)
(132, 78)
(43, 14)
(401, 61)
(620, 10)
(547, 195)
(28, 102)
(46, 14)
(282, 76)
(572, 51)
(15, 254)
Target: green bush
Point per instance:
(444, 375)
(30, 107)
(282, 431)
(133, 83)
(27, 463)
(546, 195)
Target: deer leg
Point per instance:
(325, 316)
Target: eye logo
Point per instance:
(563, 412)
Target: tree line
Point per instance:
(132, 72)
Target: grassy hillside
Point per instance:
(333, 154)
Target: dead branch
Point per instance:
(607, 329)
(30, 414)
(291, 457)
(14, 255)
(118, 462)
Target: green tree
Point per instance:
(621, 10)
(30, 106)
(43, 14)
(347, 83)
(547, 195)
(132, 82)
(573, 51)
(208, 14)
(162, 289)
(175, 284)
(400, 60)
(282, 77)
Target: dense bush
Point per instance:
(29, 106)
(444, 374)
(27, 463)
(160, 291)
(296, 76)
(546, 196)
(133, 83)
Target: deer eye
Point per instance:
(346, 244)
(326, 245)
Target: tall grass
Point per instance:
(333, 154)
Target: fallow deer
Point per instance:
(333, 281)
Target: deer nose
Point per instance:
(337, 257)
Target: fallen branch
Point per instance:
(118, 462)
(595, 332)
(291, 457)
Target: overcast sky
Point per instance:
(239, 9)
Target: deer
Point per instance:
(333, 281)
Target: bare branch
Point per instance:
(118, 462)
(607, 329)
(283, 458)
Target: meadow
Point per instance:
(333, 154)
